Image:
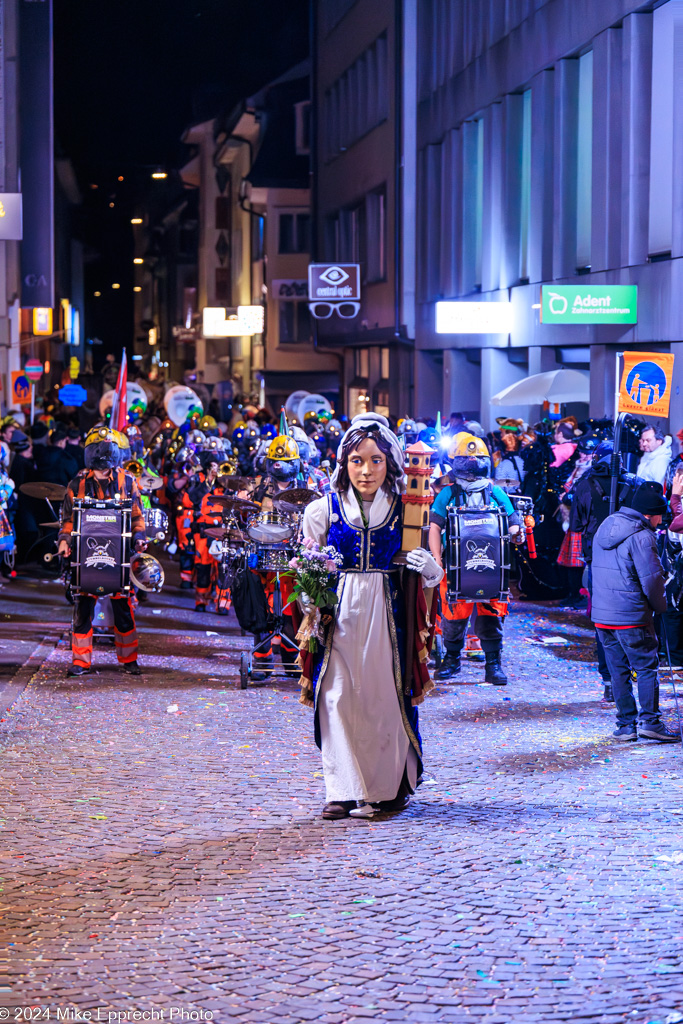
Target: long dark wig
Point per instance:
(352, 441)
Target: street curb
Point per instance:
(11, 690)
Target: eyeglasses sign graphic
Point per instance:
(646, 383)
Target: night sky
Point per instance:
(130, 76)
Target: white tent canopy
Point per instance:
(553, 386)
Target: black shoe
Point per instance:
(608, 695)
(399, 803)
(494, 671)
(625, 733)
(186, 584)
(450, 666)
(78, 670)
(659, 732)
(200, 607)
(132, 668)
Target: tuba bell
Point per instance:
(134, 468)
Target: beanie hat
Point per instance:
(39, 432)
(649, 500)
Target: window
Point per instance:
(295, 322)
(664, 20)
(302, 120)
(294, 233)
(358, 101)
(384, 361)
(362, 362)
(584, 162)
(257, 249)
(376, 269)
(525, 198)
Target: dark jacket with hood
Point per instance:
(628, 579)
(590, 505)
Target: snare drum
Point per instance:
(101, 543)
(477, 555)
(271, 528)
(156, 524)
(270, 559)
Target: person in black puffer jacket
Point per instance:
(628, 586)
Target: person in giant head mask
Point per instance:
(103, 478)
(365, 723)
(472, 488)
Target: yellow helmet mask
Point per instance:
(469, 457)
(283, 449)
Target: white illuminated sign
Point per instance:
(216, 323)
(473, 317)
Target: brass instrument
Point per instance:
(227, 468)
(134, 468)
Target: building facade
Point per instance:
(363, 202)
(549, 143)
(250, 168)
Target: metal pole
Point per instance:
(615, 464)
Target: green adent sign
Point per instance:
(589, 304)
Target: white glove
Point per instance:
(423, 561)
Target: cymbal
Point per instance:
(233, 504)
(45, 490)
(238, 483)
(53, 526)
(219, 532)
(150, 483)
(299, 496)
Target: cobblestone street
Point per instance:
(153, 859)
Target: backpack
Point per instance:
(249, 602)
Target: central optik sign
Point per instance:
(589, 304)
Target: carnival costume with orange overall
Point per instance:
(470, 464)
(207, 512)
(103, 450)
(283, 467)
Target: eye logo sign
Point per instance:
(334, 275)
(646, 383)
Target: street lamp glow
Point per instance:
(159, 175)
(97, 294)
(137, 288)
(116, 286)
(138, 260)
(136, 220)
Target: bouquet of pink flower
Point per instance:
(313, 569)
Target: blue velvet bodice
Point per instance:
(365, 550)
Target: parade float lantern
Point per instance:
(418, 496)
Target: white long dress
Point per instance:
(366, 744)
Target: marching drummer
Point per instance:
(472, 488)
(103, 478)
(201, 491)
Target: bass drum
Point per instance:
(477, 555)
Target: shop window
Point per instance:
(664, 21)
